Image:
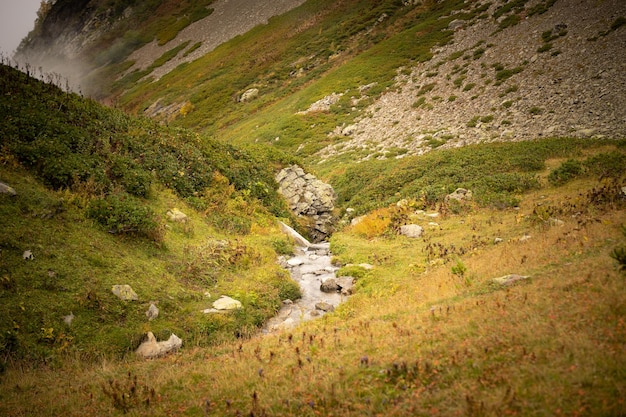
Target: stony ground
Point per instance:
(229, 19)
(575, 88)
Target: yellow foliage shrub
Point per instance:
(374, 224)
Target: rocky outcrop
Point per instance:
(310, 197)
(322, 104)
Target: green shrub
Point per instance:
(283, 246)
(469, 86)
(230, 222)
(619, 254)
(544, 48)
(609, 164)
(509, 21)
(473, 121)
(288, 289)
(355, 271)
(567, 171)
(504, 74)
(124, 214)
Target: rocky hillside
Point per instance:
(512, 70)
(557, 73)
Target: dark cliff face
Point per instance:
(62, 19)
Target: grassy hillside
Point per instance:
(428, 331)
(316, 49)
(93, 188)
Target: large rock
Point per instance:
(344, 285)
(411, 230)
(153, 312)
(310, 197)
(153, 349)
(226, 303)
(249, 95)
(175, 215)
(460, 194)
(297, 237)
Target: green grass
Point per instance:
(427, 329)
(94, 186)
(219, 76)
(496, 172)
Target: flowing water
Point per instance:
(309, 267)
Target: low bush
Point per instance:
(567, 171)
(124, 214)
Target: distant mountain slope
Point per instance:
(561, 72)
(397, 78)
(77, 37)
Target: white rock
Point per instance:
(411, 230)
(176, 215)
(297, 261)
(125, 292)
(226, 303)
(509, 279)
(153, 312)
(249, 95)
(69, 319)
(153, 349)
(5, 189)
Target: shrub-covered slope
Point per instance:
(93, 188)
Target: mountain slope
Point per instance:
(95, 190)
(403, 79)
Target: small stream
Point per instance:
(310, 267)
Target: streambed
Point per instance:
(310, 267)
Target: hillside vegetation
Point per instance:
(93, 188)
(427, 331)
(511, 302)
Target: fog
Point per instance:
(17, 18)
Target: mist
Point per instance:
(17, 19)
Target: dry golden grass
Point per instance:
(416, 338)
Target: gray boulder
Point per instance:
(456, 24)
(153, 312)
(175, 215)
(330, 285)
(249, 95)
(323, 306)
(411, 230)
(460, 194)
